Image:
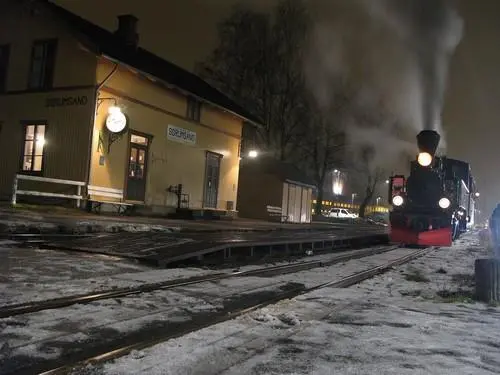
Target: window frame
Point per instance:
(25, 125)
(193, 111)
(4, 68)
(48, 66)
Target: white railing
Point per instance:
(15, 191)
(277, 211)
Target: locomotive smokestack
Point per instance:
(428, 141)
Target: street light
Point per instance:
(352, 199)
(387, 181)
(477, 194)
(378, 199)
(253, 154)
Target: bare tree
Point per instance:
(322, 143)
(258, 63)
(372, 148)
(370, 176)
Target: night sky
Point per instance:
(184, 32)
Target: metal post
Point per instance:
(14, 191)
(79, 193)
(494, 225)
(179, 195)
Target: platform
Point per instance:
(161, 249)
(36, 220)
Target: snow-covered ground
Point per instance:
(52, 333)
(417, 319)
(19, 225)
(37, 275)
(28, 275)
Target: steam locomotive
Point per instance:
(435, 204)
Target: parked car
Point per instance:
(342, 213)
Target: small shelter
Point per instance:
(273, 190)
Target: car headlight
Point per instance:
(444, 203)
(397, 200)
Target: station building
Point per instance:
(81, 104)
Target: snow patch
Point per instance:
(377, 326)
(127, 227)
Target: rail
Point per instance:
(120, 349)
(9, 311)
(16, 191)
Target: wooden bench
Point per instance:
(95, 205)
(273, 211)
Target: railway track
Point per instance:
(97, 356)
(36, 306)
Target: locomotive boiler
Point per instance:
(434, 204)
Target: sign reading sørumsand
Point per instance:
(67, 101)
(182, 135)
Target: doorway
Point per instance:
(137, 167)
(212, 174)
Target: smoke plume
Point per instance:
(431, 29)
(397, 53)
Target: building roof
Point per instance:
(109, 45)
(287, 172)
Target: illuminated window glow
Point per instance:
(34, 146)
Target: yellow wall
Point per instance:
(68, 130)
(71, 129)
(74, 66)
(150, 109)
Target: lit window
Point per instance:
(34, 145)
(138, 140)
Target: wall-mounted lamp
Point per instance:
(116, 122)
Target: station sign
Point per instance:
(177, 134)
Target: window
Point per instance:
(137, 139)
(137, 163)
(4, 63)
(43, 56)
(193, 109)
(34, 145)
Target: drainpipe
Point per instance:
(92, 122)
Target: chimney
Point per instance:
(428, 141)
(127, 30)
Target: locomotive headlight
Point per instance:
(397, 200)
(444, 203)
(424, 159)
